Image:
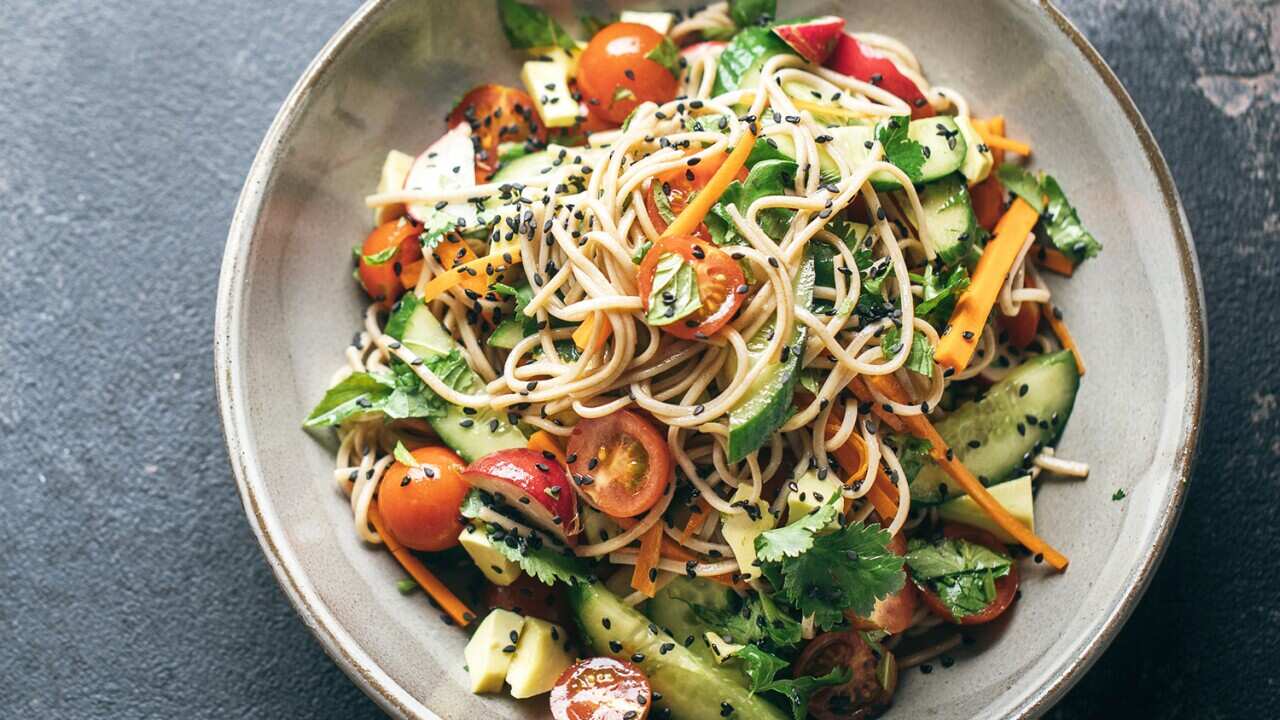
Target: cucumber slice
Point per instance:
(507, 334)
(944, 148)
(691, 688)
(670, 609)
(767, 404)
(997, 436)
(948, 214)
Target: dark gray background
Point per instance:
(132, 586)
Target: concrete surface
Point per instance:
(130, 585)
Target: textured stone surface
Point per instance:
(130, 584)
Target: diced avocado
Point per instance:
(767, 404)
(660, 21)
(539, 660)
(998, 436)
(672, 608)
(978, 159)
(948, 214)
(394, 170)
(691, 688)
(810, 493)
(490, 650)
(472, 434)
(721, 649)
(1014, 495)
(548, 84)
(496, 567)
(740, 531)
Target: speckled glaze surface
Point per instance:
(286, 307)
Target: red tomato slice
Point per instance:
(857, 60)
(1021, 328)
(894, 613)
(1006, 587)
(720, 284)
(420, 505)
(988, 202)
(381, 279)
(680, 185)
(863, 695)
(601, 688)
(625, 458)
(497, 114)
(616, 75)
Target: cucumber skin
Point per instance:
(953, 428)
(691, 688)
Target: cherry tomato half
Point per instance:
(988, 202)
(497, 114)
(587, 123)
(601, 688)
(894, 613)
(420, 505)
(530, 597)
(1021, 328)
(680, 185)
(864, 695)
(1006, 587)
(615, 75)
(626, 459)
(380, 275)
(720, 284)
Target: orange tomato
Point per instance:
(616, 75)
(420, 505)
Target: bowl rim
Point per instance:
(362, 669)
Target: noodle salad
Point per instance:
(712, 372)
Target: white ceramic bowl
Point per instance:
(287, 306)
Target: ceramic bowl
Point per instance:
(287, 307)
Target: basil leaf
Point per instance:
(523, 294)
(382, 257)
(900, 149)
(411, 397)
(744, 55)
(663, 203)
(1062, 224)
(667, 55)
(1022, 184)
(675, 291)
(641, 250)
(768, 177)
(753, 12)
(356, 394)
(528, 27)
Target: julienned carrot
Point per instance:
(475, 275)
(454, 251)
(410, 273)
(582, 335)
(645, 577)
(991, 127)
(920, 426)
(859, 388)
(696, 211)
(1064, 336)
(455, 608)
(545, 442)
(1054, 260)
(1004, 143)
(963, 332)
(697, 518)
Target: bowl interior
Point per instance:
(288, 308)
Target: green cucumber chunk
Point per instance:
(997, 436)
(692, 688)
(948, 214)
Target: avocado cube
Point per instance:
(540, 659)
(548, 84)
(809, 494)
(496, 567)
(740, 532)
(491, 649)
(1014, 495)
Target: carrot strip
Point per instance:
(455, 608)
(475, 275)
(582, 335)
(645, 576)
(1004, 143)
(920, 426)
(696, 211)
(993, 126)
(1054, 261)
(886, 507)
(696, 520)
(988, 201)
(860, 389)
(454, 251)
(1064, 335)
(960, 339)
(545, 442)
(410, 273)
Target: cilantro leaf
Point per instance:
(1118, 495)
(1062, 224)
(759, 666)
(920, 359)
(849, 569)
(592, 24)
(762, 668)
(960, 572)
(675, 291)
(548, 564)
(746, 13)
(794, 539)
(411, 398)
(913, 454)
(900, 149)
(941, 293)
(523, 294)
(528, 27)
(759, 621)
(667, 55)
(1022, 184)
